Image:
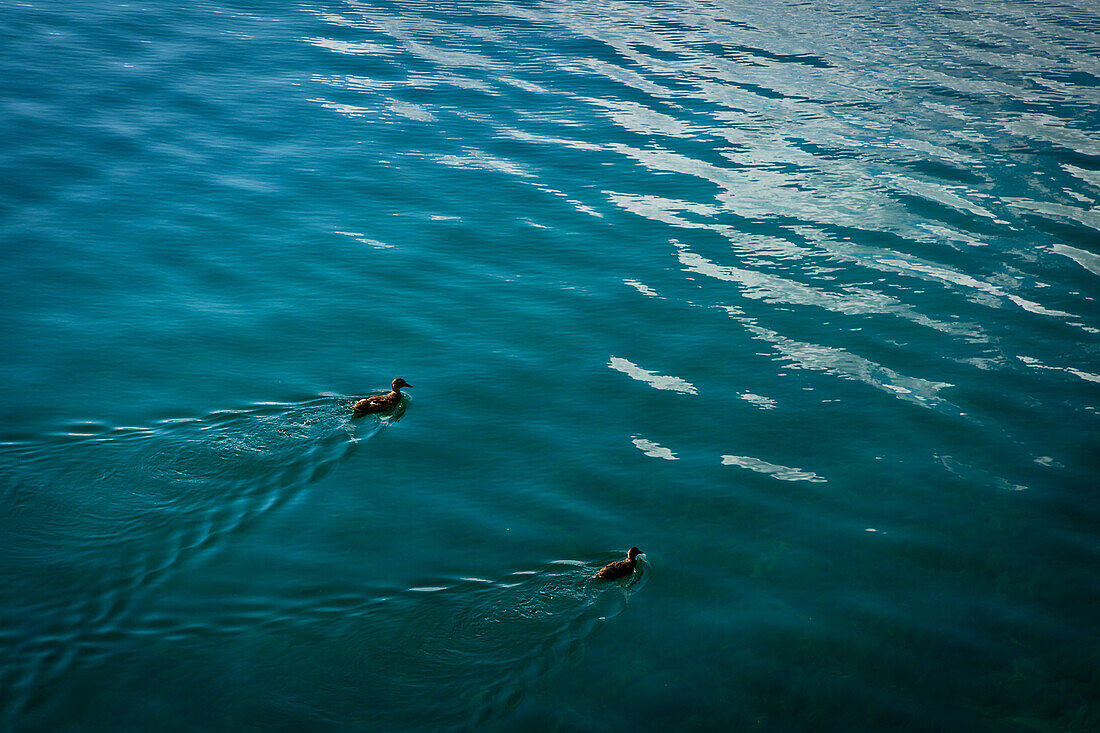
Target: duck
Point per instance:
(619, 568)
(381, 402)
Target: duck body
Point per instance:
(381, 402)
(619, 568)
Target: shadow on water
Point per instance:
(95, 517)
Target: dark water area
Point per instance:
(799, 298)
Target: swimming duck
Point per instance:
(619, 568)
(381, 402)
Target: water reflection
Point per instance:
(783, 473)
(653, 379)
(653, 450)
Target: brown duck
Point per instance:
(381, 402)
(619, 568)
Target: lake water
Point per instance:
(799, 298)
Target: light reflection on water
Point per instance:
(800, 297)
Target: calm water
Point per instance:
(800, 298)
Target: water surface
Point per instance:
(800, 298)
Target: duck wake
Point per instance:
(97, 517)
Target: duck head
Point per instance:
(399, 383)
(634, 552)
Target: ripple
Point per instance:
(846, 365)
(1034, 363)
(1087, 260)
(116, 511)
(771, 288)
(783, 473)
(900, 201)
(644, 120)
(348, 47)
(764, 403)
(642, 288)
(653, 379)
(952, 197)
(479, 160)
(477, 644)
(653, 450)
(460, 651)
(1054, 131)
(1088, 218)
(958, 278)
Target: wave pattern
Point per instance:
(461, 652)
(795, 150)
(153, 502)
(727, 217)
(863, 207)
(99, 517)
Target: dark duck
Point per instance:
(381, 402)
(619, 568)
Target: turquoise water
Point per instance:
(799, 298)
